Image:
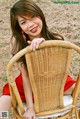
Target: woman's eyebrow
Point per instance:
(21, 20)
(24, 18)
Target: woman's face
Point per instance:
(31, 26)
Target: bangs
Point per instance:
(28, 14)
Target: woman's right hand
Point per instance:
(35, 43)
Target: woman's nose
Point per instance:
(30, 24)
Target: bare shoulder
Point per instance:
(13, 40)
(58, 36)
(12, 43)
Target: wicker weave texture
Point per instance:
(48, 68)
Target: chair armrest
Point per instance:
(13, 88)
(76, 90)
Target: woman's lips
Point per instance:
(34, 30)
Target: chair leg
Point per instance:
(16, 114)
(79, 114)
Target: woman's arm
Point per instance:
(30, 113)
(27, 87)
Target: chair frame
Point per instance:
(13, 89)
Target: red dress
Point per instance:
(19, 83)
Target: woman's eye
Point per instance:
(23, 23)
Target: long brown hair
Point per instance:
(23, 8)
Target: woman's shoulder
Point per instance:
(58, 36)
(12, 42)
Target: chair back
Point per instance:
(48, 68)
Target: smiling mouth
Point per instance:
(34, 30)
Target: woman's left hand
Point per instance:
(29, 114)
(35, 43)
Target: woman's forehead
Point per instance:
(25, 17)
(28, 16)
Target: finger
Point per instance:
(37, 45)
(34, 45)
(33, 117)
(42, 39)
(29, 42)
(39, 41)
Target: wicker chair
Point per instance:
(48, 68)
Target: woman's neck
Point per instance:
(32, 37)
